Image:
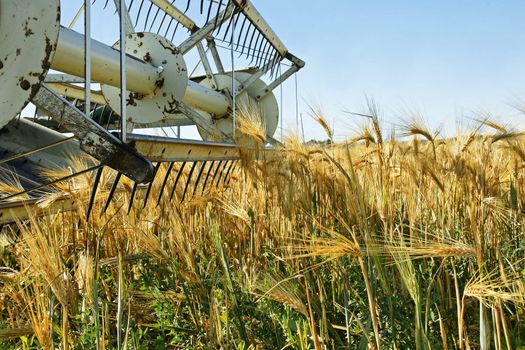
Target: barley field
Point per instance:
(379, 242)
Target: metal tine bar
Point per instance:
(93, 192)
(229, 178)
(228, 171)
(199, 177)
(179, 173)
(207, 177)
(50, 183)
(132, 196)
(112, 192)
(150, 185)
(188, 180)
(222, 172)
(164, 182)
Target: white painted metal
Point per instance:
(28, 32)
(105, 62)
(170, 84)
(267, 107)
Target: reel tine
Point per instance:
(202, 6)
(138, 13)
(222, 172)
(229, 171)
(150, 186)
(262, 54)
(93, 192)
(255, 46)
(251, 40)
(217, 14)
(154, 18)
(229, 26)
(199, 177)
(209, 12)
(188, 180)
(112, 192)
(216, 172)
(179, 173)
(147, 16)
(207, 176)
(229, 178)
(250, 26)
(132, 196)
(166, 177)
(241, 32)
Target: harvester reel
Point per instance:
(28, 36)
(158, 94)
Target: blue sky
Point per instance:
(447, 60)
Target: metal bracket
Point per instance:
(94, 139)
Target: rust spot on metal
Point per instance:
(25, 85)
(28, 31)
(18, 52)
(173, 50)
(147, 57)
(131, 99)
(1, 65)
(140, 35)
(159, 83)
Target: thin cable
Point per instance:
(20, 155)
(281, 97)
(232, 56)
(87, 56)
(296, 104)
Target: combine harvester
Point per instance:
(145, 86)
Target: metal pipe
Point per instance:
(204, 99)
(140, 76)
(105, 63)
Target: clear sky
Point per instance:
(447, 60)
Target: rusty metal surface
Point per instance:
(164, 149)
(95, 140)
(28, 35)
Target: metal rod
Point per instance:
(123, 93)
(50, 183)
(233, 94)
(87, 56)
(33, 151)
